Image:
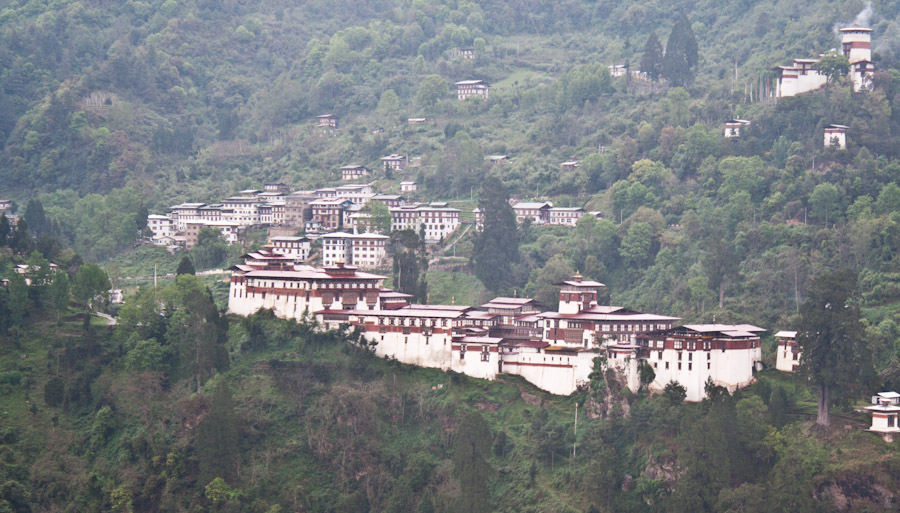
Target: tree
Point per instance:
(89, 283)
(637, 244)
(497, 245)
(186, 266)
(18, 299)
(432, 89)
(36, 218)
(410, 262)
(59, 293)
(652, 58)
(389, 103)
(833, 65)
(211, 248)
(217, 438)
(55, 392)
(379, 217)
(682, 54)
(5, 229)
(471, 443)
(832, 338)
(824, 202)
(545, 289)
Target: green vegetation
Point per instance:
(112, 418)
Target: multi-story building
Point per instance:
(692, 355)
(787, 353)
(329, 121)
(160, 225)
(836, 136)
(438, 219)
(244, 209)
(229, 229)
(537, 212)
(802, 77)
(185, 213)
(294, 247)
(329, 213)
(394, 162)
(293, 291)
(354, 172)
(733, 127)
(472, 88)
(297, 209)
(564, 216)
(362, 250)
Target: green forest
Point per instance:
(113, 110)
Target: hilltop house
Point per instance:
(801, 77)
(354, 172)
(327, 121)
(787, 353)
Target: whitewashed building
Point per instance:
(836, 136)
(160, 225)
(787, 353)
(438, 219)
(472, 89)
(362, 250)
(295, 247)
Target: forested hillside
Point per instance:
(110, 110)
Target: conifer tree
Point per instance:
(217, 438)
(471, 444)
(832, 338)
(652, 58)
(682, 55)
(186, 266)
(497, 245)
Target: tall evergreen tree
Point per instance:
(36, 218)
(497, 245)
(682, 55)
(652, 58)
(217, 438)
(410, 262)
(186, 266)
(832, 337)
(470, 446)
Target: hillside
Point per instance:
(299, 421)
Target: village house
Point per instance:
(328, 121)
(5, 206)
(802, 77)
(394, 162)
(467, 53)
(364, 250)
(787, 352)
(244, 209)
(438, 219)
(570, 165)
(229, 229)
(885, 411)
(836, 136)
(617, 70)
(160, 225)
(564, 216)
(407, 186)
(537, 212)
(294, 247)
(357, 193)
(279, 187)
(354, 172)
(297, 208)
(416, 121)
(329, 213)
(471, 88)
(497, 159)
(733, 127)
(184, 213)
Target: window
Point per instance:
(690, 366)
(659, 355)
(667, 365)
(677, 344)
(679, 356)
(485, 357)
(679, 365)
(690, 357)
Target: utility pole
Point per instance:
(575, 444)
